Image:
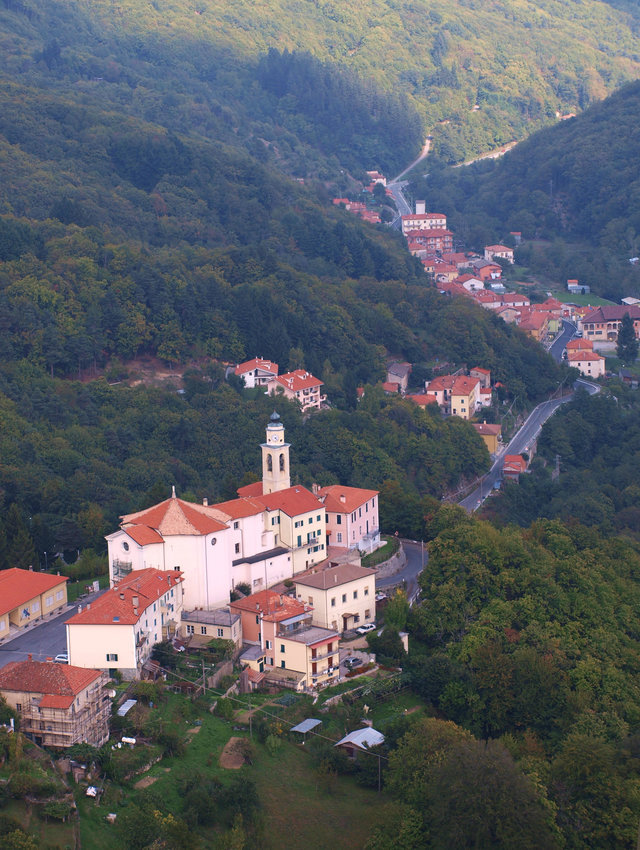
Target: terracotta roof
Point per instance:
(335, 576)
(480, 369)
(250, 490)
(390, 387)
(238, 508)
(487, 429)
(442, 382)
(576, 356)
(422, 398)
(274, 607)
(143, 535)
(498, 248)
(19, 586)
(175, 516)
(257, 363)
(464, 385)
(297, 380)
(116, 606)
(577, 344)
(59, 683)
(514, 463)
(292, 501)
(345, 500)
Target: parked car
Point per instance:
(366, 627)
(352, 661)
(63, 658)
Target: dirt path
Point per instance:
(233, 757)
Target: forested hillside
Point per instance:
(479, 74)
(574, 183)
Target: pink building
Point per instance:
(352, 517)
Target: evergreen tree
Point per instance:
(627, 349)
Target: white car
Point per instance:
(366, 627)
(63, 658)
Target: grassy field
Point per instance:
(312, 810)
(581, 300)
(46, 834)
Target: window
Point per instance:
(339, 537)
(359, 512)
(257, 619)
(310, 520)
(282, 664)
(269, 463)
(355, 594)
(268, 644)
(18, 706)
(190, 630)
(366, 591)
(282, 648)
(59, 594)
(35, 606)
(333, 602)
(319, 518)
(281, 463)
(299, 540)
(298, 523)
(356, 618)
(338, 519)
(203, 630)
(310, 600)
(112, 656)
(213, 541)
(49, 600)
(125, 546)
(367, 614)
(237, 548)
(236, 525)
(344, 597)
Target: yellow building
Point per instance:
(490, 434)
(465, 396)
(59, 705)
(201, 626)
(27, 596)
(287, 647)
(342, 596)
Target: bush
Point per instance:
(224, 708)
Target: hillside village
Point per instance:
(288, 557)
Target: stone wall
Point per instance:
(395, 563)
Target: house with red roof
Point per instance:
(59, 705)
(513, 466)
(458, 395)
(602, 324)
(285, 644)
(352, 517)
(117, 630)
(422, 399)
(501, 251)
(491, 435)
(434, 239)
(423, 221)
(590, 363)
(27, 596)
(257, 372)
(300, 386)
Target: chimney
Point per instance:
(335, 579)
(49, 658)
(281, 599)
(343, 498)
(88, 606)
(135, 611)
(30, 568)
(421, 207)
(29, 657)
(135, 601)
(314, 489)
(121, 594)
(205, 502)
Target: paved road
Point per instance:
(559, 344)
(521, 443)
(44, 640)
(396, 186)
(410, 573)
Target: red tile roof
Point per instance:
(274, 607)
(292, 501)
(345, 500)
(242, 507)
(464, 385)
(577, 344)
(390, 387)
(59, 683)
(298, 380)
(584, 355)
(175, 516)
(249, 490)
(257, 363)
(19, 586)
(116, 606)
(143, 535)
(487, 429)
(422, 399)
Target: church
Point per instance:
(271, 532)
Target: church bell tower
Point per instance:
(275, 458)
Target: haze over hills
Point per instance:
(519, 63)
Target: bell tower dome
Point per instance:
(275, 458)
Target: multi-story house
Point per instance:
(465, 396)
(434, 239)
(300, 386)
(118, 630)
(201, 626)
(352, 517)
(26, 596)
(257, 372)
(421, 220)
(59, 704)
(285, 643)
(590, 363)
(342, 596)
(501, 251)
(602, 324)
